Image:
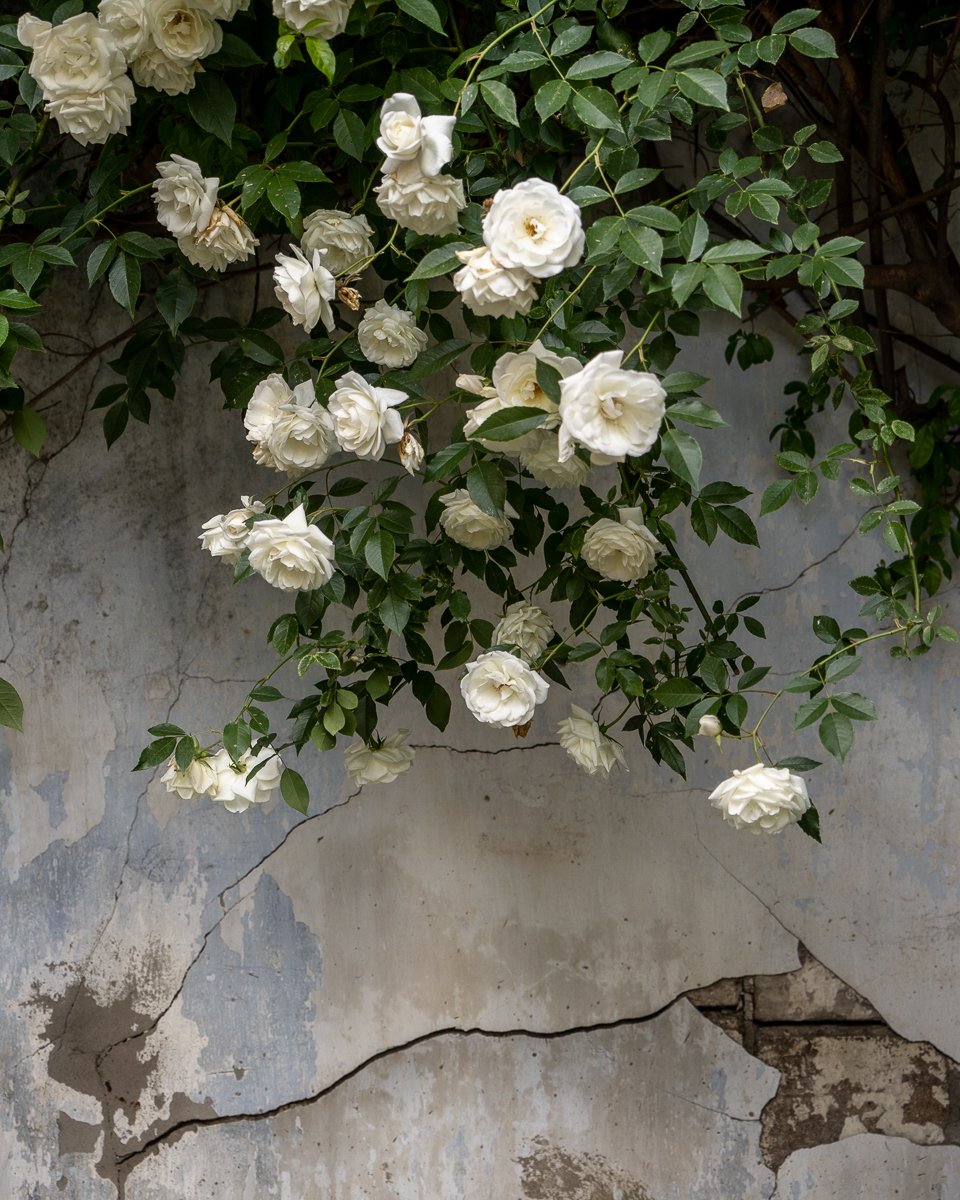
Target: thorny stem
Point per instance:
(11, 192)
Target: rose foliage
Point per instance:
(493, 168)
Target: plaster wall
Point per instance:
(470, 982)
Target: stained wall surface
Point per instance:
(470, 982)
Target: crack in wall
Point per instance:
(784, 587)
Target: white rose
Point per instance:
(185, 200)
(491, 290)
(501, 690)
(301, 436)
(476, 385)
(515, 384)
(412, 142)
(425, 204)
(709, 726)
(226, 239)
(127, 21)
(175, 76)
(299, 13)
(525, 626)
(389, 336)
(305, 289)
(183, 32)
(762, 799)
(263, 408)
(542, 460)
(381, 763)
(200, 779)
(470, 526)
(345, 239)
(223, 10)
(225, 535)
(364, 416)
(613, 412)
(623, 550)
(82, 73)
(234, 791)
(534, 227)
(291, 554)
(411, 453)
(589, 746)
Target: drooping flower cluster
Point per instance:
(219, 778)
(415, 193)
(331, 15)
(81, 64)
(589, 746)
(382, 762)
(531, 232)
(211, 235)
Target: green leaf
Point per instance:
(322, 56)
(548, 380)
(234, 53)
(438, 707)
(683, 455)
(435, 358)
(809, 712)
(704, 87)
(644, 247)
(394, 613)
(11, 298)
(11, 707)
(440, 262)
(695, 412)
(294, 790)
(422, 11)
(793, 20)
(551, 97)
(124, 279)
(810, 823)
(596, 108)
(501, 101)
(100, 258)
(510, 423)
(847, 272)
(185, 753)
(380, 551)
(29, 430)
(734, 252)
(165, 729)
(724, 287)
(797, 763)
(703, 521)
(212, 106)
(487, 488)
(776, 496)
(115, 421)
(154, 754)
(837, 735)
(814, 43)
(445, 460)
(348, 130)
(826, 629)
(176, 296)
(677, 693)
(736, 524)
(284, 195)
(594, 66)
(236, 739)
(855, 706)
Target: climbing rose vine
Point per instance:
(437, 189)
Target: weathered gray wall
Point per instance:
(470, 982)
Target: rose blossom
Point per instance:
(413, 143)
(175, 76)
(127, 21)
(365, 416)
(199, 780)
(525, 626)
(290, 554)
(234, 790)
(226, 239)
(223, 10)
(762, 799)
(185, 200)
(491, 290)
(299, 13)
(301, 435)
(181, 31)
(305, 289)
(389, 336)
(534, 227)
(622, 550)
(225, 535)
(82, 73)
(344, 238)
(425, 204)
(263, 408)
(381, 763)
(515, 385)
(542, 460)
(709, 726)
(470, 526)
(476, 385)
(613, 412)
(502, 690)
(411, 453)
(589, 746)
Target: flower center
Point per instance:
(534, 229)
(611, 407)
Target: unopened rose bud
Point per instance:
(709, 727)
(411, 453)
(475, 385)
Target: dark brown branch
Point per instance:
(895, 210)
(875, 145)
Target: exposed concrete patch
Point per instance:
(868, 1167)
(549, 1172)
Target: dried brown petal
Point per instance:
(773, 97)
